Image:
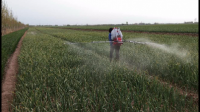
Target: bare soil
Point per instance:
(190, 94)
(9, 81)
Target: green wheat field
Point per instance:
(55, 75)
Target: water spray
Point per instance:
(182, 54)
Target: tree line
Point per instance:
(9, 23)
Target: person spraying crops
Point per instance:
(115, 36)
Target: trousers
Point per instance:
(116, 49)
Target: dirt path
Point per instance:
(8, 85)
(189, 93)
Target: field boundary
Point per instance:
(8, 31)
(8, 85)
(131, 31)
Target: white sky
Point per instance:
(82, 12)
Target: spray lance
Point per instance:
(134, 42)
(116, 32)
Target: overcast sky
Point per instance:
(81, 12)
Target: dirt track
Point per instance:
(8, 84)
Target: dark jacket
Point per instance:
(109, 38)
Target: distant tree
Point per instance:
(9, 22)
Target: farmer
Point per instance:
(114, 45)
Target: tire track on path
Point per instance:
(10, 79)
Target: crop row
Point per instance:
(174, 28)
(8, 45)
(171, 58)
(54, 76)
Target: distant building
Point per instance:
(188, 22)
(156, 23)
(141, 23)
(148, 23)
